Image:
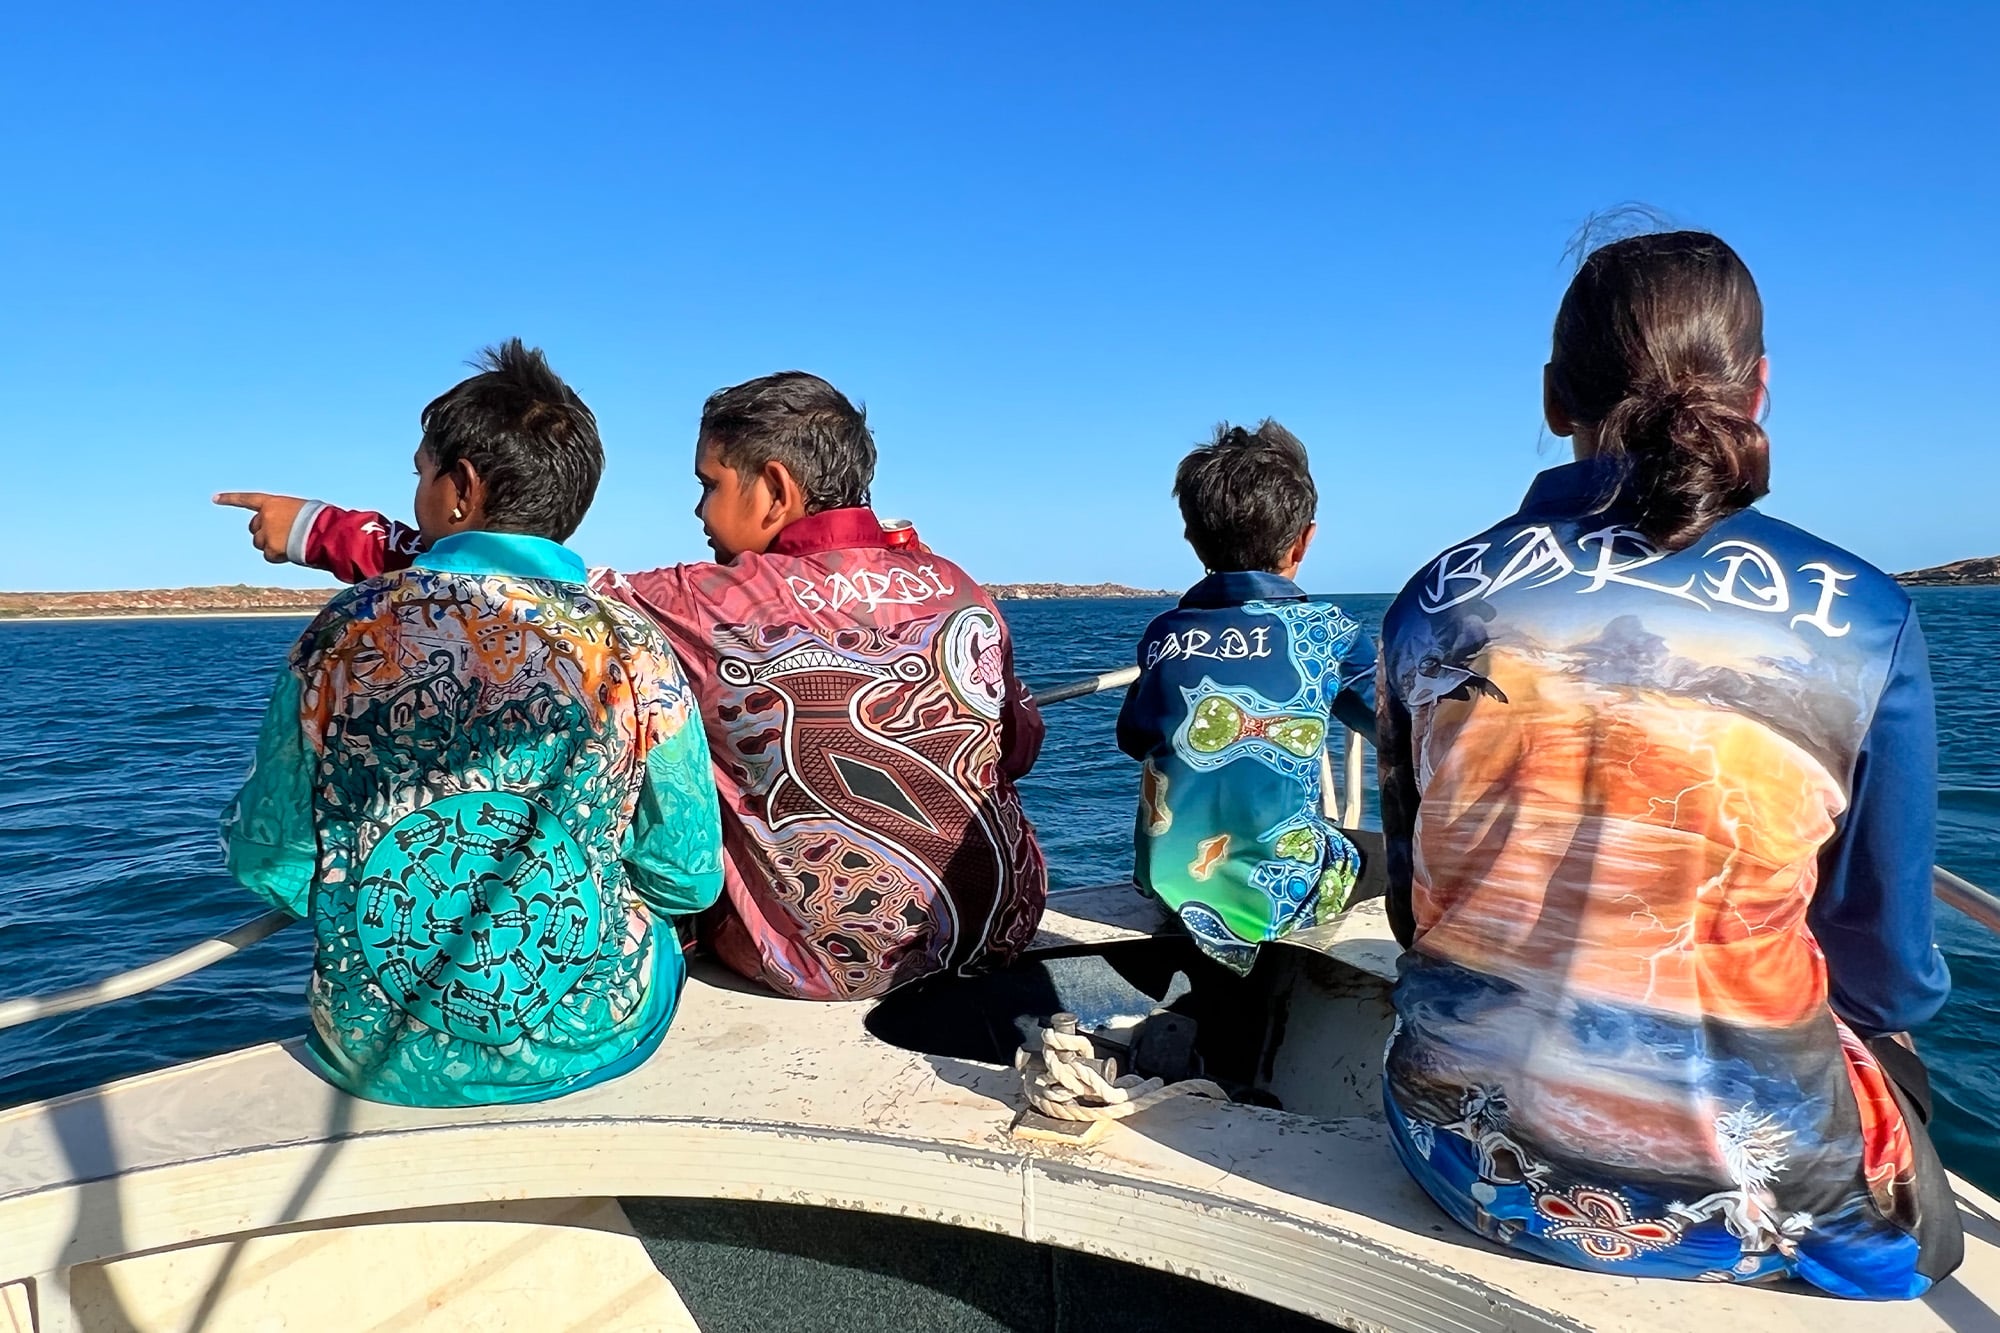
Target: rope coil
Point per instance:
(1064, 1080)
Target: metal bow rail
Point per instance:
(28, 1008)
(1952, 890)
(1956, 891)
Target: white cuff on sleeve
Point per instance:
(302, 526)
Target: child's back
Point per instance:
(485, 786)
(1230, 716)
(462, 923)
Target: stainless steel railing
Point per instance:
(118, 986)
(1078, 689)
(1967, 897)
(1952, 890)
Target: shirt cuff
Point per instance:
(295, 540)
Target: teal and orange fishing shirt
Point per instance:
(487, 789)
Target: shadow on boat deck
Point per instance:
(99, 1227)
(1960, 1309)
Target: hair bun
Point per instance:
(1693, 454)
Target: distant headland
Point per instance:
(242, 600)
(1979, 572)
(234, 600)
(1038, 592)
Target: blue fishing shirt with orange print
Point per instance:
(1660, 829)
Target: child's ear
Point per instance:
(788, 498)
(468, 491)
(1297, 554)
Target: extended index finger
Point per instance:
(242, 499)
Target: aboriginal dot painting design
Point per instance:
(973, 653)
(868, 763)
(1316, 634)
(1230, 832)
(1215, 938)
(477, 913)
(1220, 723)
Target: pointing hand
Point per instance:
(271, 519)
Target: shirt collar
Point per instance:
(509, 554)
(1239, 586)
(831, 530)
(1572, 488)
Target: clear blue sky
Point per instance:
(1049, 246)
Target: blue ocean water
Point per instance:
(120, 741)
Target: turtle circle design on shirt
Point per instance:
(477, 913)
(974, 660)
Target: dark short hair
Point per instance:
(1247, 496)
(801, 421)
(527, 435)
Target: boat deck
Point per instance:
(754, 1097)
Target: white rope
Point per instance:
(1063, 1081)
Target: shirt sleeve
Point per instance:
(351, 544)
(1354, 705)
(1396, 776)
(673, 852)
(267, 831)
(1022, 728)
(666, 597)
(1138, 726)
(1873, 913)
